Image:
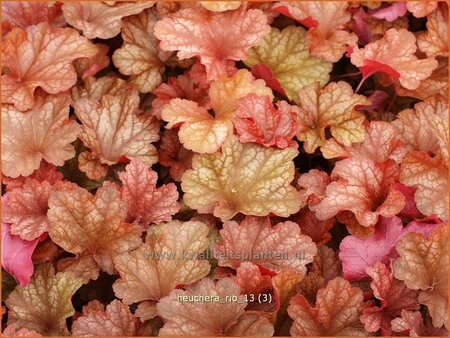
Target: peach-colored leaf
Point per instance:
(220, 6)
(394, 54)
(50, 295)
(23, 14)
(90, 164)
(412, 323)
(259, 122)
(327, 37)
(172, 154)
(364, 188)
(325, 267)
(216, 317)
(112, 128)
(99, 20)
(313, 184)
(316, 229)
(40, 56)
(336, 313)
(115, 320)
(214, 37)
(381, 142)
(22, 150)
(251, 280)
(394, 298)
(86, 67)
(286, 54)
(202, 132)
(11, 331)
(331, 107)
(434, 41)
(423, 265)
(430, 177)
(167, 258)
(26, 208)
(274, 247)
(421, 8)
(138, 56)
(243, 178)
(95, 89)
(146, 203)
(92, 226)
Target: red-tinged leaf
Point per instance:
(259, 122)
(215, 37)
(314, 184)
(394, 54)
(172, 154)
(45, 172)
(364, 188)
(50, 295)
(51, 141)
(146, 203)
(87, 67)
(410, 210)
(423, 265)
(115, 320)
(327, 37)
(251, 280)
(11, 331)
(40, 56)
(314, 228)
(98, 19)
(92, 228)
(336, 312)
(394, 298)
(214, 317)
(265, 73)
(434, 41)
(274, 247)
(421, 8)
(325, 267)
(112, 128)
(16, 255)
(412, 323)
(26, 208)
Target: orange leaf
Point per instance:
(23, 151)
(434, 41)
(40, 56)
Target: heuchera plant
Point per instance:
(224, 168)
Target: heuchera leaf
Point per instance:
(381, 142)
(138, 56)
(53, 132)
(243, 178)
(116, 320)
(212, 318)
(220, 6)
(112, 128)
(251, 280)
(412, 322)
(40, 56)
(274, 247)
(146, 203)
(364, 188)
(390, 12)
(26, 208)
(50, 295)
(23, 14)
(100, 20)
(434, 42)
(331, 107)
(167, 258)
(202, 132)
(394, 54)
(259, 122)
(16, 255)
(327, 37)
(336, 312)
(316, 229)
(86, 67)
(92, 228)
(90, 164)
(325, 267)
(214, 37)
(423, 265)
(421, 8)
(313, 184)
(11, 331)
(286, 54)
(394, 298)
(172, 154)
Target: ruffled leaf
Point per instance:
(243, 178)
(434, 42)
